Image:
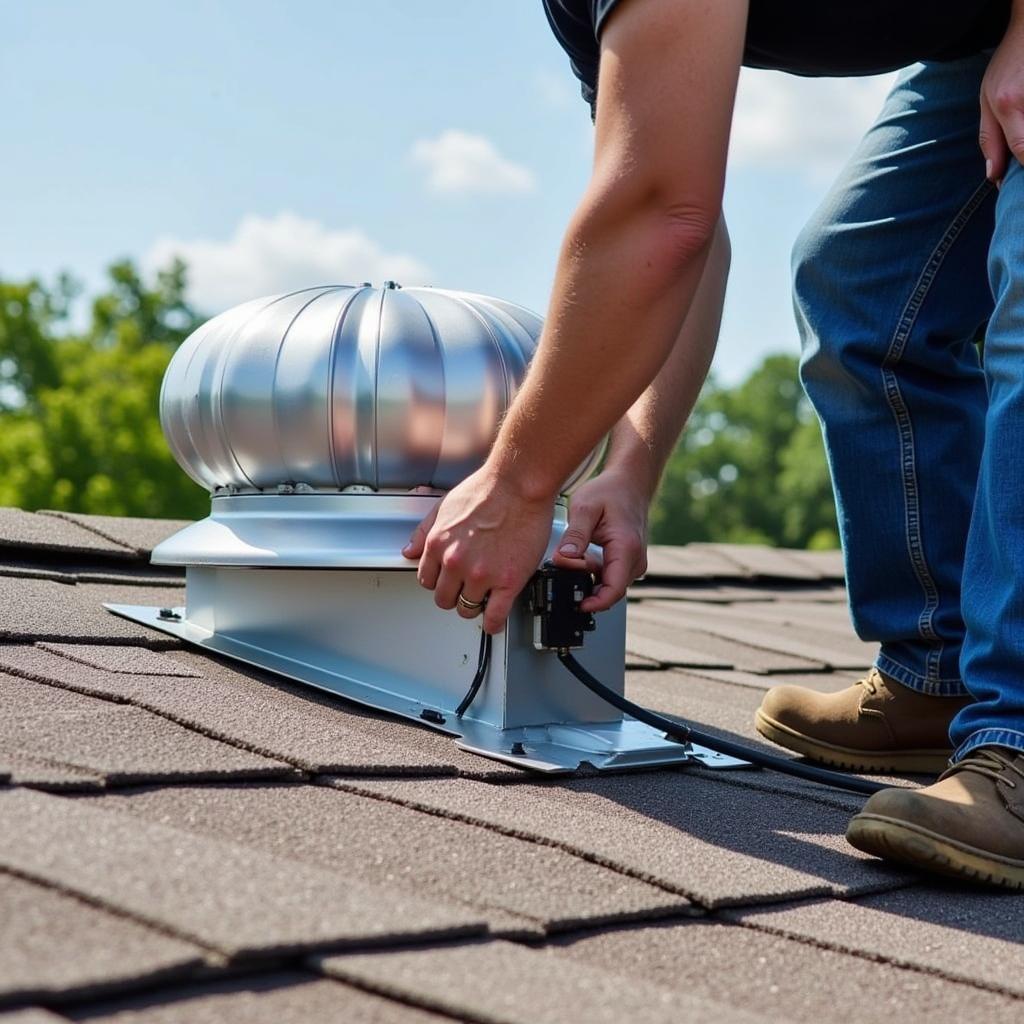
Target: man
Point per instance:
(891, 289)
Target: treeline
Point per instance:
(750, 468)
(79, 428)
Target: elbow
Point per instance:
(684, 234)
(671, 243)
(663, 235)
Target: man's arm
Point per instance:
(612, 509)
(631, 261)
(1002, 100)
(643, 440)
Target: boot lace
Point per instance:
(870, 682)
(991, 763)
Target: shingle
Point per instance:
(675, 647)
(833, 617)
(759, 560)
(94, 572)
(96, 594)
(271, 716)
(19, 697)
(519, 886)
(712, 706)
(508, 983)
(636, 661)
(31, 1015)
(673, 638)
(29, 570)
(812, 647)
(54, 944)
(25, 770)
(814, 632)
(708, 593)
(148, 576)
(825, 594)
(718, 838)
(134, 661)
(219, 894)
(828, 564)
(37, 609)
(27, 530)
(970, 935)
(823, 682)
(291, 997)
(690, 562)
(787, 980)
(125, 745)
(138, 535)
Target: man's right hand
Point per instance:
(1002, 100)
(611, 512)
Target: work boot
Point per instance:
(969, 824)
(876, 725)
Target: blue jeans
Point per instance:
(908, 258)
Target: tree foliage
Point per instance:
(78, 408)
(79, 428)
(750, 467)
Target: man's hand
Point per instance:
(610, 511)
(482, 541)
(1002, 102)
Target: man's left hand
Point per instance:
(1002, 103)
(483, 541)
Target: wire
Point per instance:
(684, 734)
(482, 665)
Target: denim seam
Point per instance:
(888, 658)
(904, 426)
(916, 682)
(989, 737)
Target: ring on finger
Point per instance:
(471, 606)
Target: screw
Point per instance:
(517, 748)
(171, 614)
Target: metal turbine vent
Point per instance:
(348, 386)
(318, 419)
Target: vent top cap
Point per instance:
(348, 386)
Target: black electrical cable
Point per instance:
(684, 734)
(482, 664)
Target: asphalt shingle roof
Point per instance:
(183, 838)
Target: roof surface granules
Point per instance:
(185, 838)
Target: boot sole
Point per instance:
(925, 762)
(897, 840)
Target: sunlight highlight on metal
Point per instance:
(348, 386)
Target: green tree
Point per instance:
(79, 428)
(750, 467)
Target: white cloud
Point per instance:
(809, 124)
(457, 161)
(266, 255)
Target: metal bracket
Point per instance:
(553, 748)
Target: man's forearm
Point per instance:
(614, 318)
(635, 251)
(643, 440)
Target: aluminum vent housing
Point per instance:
(347, 387)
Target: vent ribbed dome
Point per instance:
(342, 385)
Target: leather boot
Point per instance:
(876, 725)
(969, 824)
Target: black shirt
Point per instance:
(815, 37)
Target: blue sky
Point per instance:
(279, 145)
